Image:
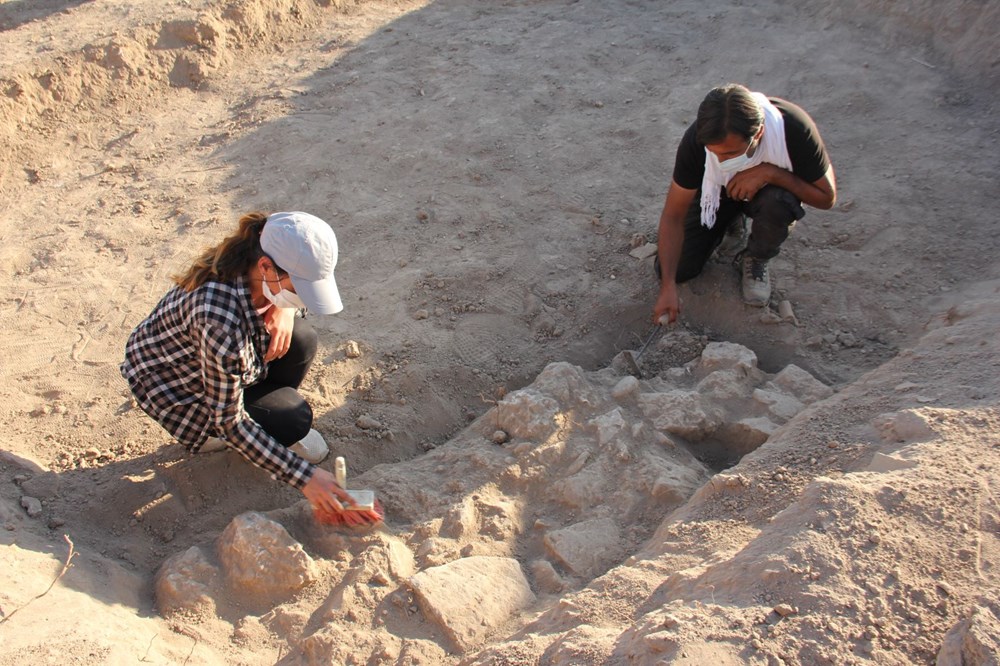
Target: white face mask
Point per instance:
(735, 164)
(284, 298)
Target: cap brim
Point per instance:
(320, 297)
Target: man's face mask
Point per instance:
(734, 164)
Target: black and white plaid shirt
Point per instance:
(187, 364)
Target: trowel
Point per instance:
(632, 358)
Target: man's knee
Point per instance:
(776, 205)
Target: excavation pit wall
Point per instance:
(555, 485)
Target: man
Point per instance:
(745, 155)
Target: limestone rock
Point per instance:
(722, 355)
(625, 389)
(643, 251)
(31, 505)
(883, 463)
(779, 405)
(547, 579)
(260, 559)
(588, 548)
(806, 388)
(583, 645)
(436, 552)
(186, 582)
(461, 520)
(609, 426)
(470, 597)
(366, 422)
(726, 384)
(390, 555)
(907, 425)
(974, 641)
(528, 414)
(680, 412)
(743, 436)
(583, 489)
(568, 384)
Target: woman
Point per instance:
(219, 359)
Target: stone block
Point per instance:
(626, 389)
(727, 355)
(682, 413)
(390, 555)
(547, 579)
(528, 414)
(779, 405)
(568, 384)
(471, 597)
(799, 383)
(727, 384)
(975, 641)
(461, 520)
(587, 549)
(609, 426)
(743, 436)
(186, 582)
(904, 426)
(261, 560)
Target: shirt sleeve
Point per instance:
(689, 163)
(222, 368)
(806, 149)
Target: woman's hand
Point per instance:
(326, 496)
(279, 323)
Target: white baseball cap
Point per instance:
(306, 248)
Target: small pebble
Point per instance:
(366, 422)
(784, 610)
(499, 437)
(352, 349)
(31, 506)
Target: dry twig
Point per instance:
(66, 565)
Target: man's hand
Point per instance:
(744, 185)
(667, 304)
(326, 496)
(279, 323)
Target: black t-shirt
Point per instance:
(805, 149)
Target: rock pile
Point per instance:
(488, 527)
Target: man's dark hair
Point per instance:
(728, 109)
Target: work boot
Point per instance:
(312, 447)
(735, 239)
(756, 281)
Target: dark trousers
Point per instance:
(274, 402)
(773, 210)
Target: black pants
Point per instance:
(773, 210)
(275, 403)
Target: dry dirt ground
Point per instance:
(487, 167)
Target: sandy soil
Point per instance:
(487, 168)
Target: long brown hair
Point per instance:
(229, 259)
